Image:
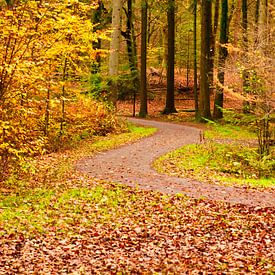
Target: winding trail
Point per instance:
(132, 165)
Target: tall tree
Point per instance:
(245, 74)
(218, 112)
(262, 26)
(206, 28)
(143, 76)
(195, 59)
(130, 38)
(114, 48)
(97, 21)
(170, 94)
(213, 41)
(129, 35)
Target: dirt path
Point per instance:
(131, 165)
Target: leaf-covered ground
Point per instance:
(111, 229)
(76, 225)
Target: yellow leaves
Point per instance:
(37, 39)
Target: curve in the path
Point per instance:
(132, 165)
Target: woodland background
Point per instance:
(65, 65)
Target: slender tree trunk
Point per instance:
(257, 14)
(245, 75)
(143, 76)
(213, 43)
(262, 27)
(114, 49)
(218, 112)
(132, 51)
(230, 14)
(63, 95)
(47, 111)
(170, 97)
(195, 61)
(130, 38)
(204, 95)
(97, 44)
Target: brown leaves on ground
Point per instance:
(147, 233)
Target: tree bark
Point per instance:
(206, 28)
(218, 104)
(213, 42)
(132, 52)
(97, 19)
(195, 89)
(143, 75)
(170, 97)
(262, 26)
(114, 49)
(245, 75)
(230, 14)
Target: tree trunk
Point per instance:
(218, 112)
(257, 14)
(132, 52)
(230, 14)
(262, 27)
(204, 95)
(97, 15)
(143, 76)
(245, 76)
(170, 97)
(213, 43)
(114, 49)
(195, 60)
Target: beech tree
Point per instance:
(170, 101)
(206, 28)
(195, 89)
(114, 49)
(143, 74)
(218, 102)
(98, 26)
(213, 41)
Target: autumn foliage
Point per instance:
(44, 47)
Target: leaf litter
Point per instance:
(132, 231)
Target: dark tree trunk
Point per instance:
(195, 60)
(97, 18)
(170, 97)
(257, 12)
(206, 28)
(130, 38)
(218, 112)
(143, 78)
(132, 52)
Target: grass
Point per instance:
(217, 131)
(236, 163)
(36, 210)
(62, 221)
(55, 188)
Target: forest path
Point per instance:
(131, 164)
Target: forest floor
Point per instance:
(66, 222)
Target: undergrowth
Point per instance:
(228, 156)
(51, 169)
(59, 220)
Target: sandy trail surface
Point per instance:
(131, 164)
